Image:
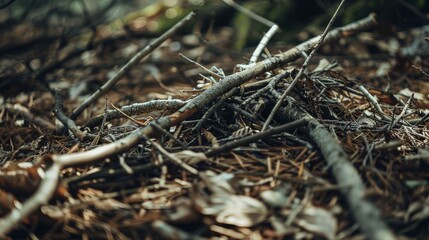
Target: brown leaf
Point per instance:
(224, 205)
(191, 157)
(318, 221)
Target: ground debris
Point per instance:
(210, 171)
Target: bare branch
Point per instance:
(130, 64)
(303, 68)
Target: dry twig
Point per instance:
(130, 64)
(303, 68)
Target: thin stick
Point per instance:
(404, 110)
(171, 136)
(130, 64)
(373, 101)
(98, 136)
(271, 84)
(175, 159)
(263, 43)
(137, 108)
(201, 66)
(249, 13)
(66, 121)
(265, 39)
(303, 68)
(252, 138)
(126, 115)
(366, 214)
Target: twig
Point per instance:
(249, 13)
(175, 159)
(98, 136)
(253, 138)
(212, 109)
(265, 39)
(388, 145)
(110, 173)
(262, 44)
(242, 112)
(303, 68)
(201, 66)
(124, 165)
(404, 110)
(373, 101)
(271, 84)
(137, 108)
(422, 120)
(130, 64)
(165, 132)
(68, 123)
(419, 69)
(126, 115)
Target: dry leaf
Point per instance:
(191, 157)
(242, 211)
(318, 221)
(224, 205)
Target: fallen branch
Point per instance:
(137, 108)
(130, 64)
(41, 196)
(303, 68)
(366, 214)
(271, 63)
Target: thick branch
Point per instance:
(366, 214)
(41, 196)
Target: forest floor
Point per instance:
(201, 175)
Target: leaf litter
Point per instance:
(170, 187)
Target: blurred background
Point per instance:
(151, 17)
(38, 37)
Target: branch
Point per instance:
(366, 214)
(130, 64)
(255, 137)
(41, 196)
(271, 63)
(137, 108)
(303, 68)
